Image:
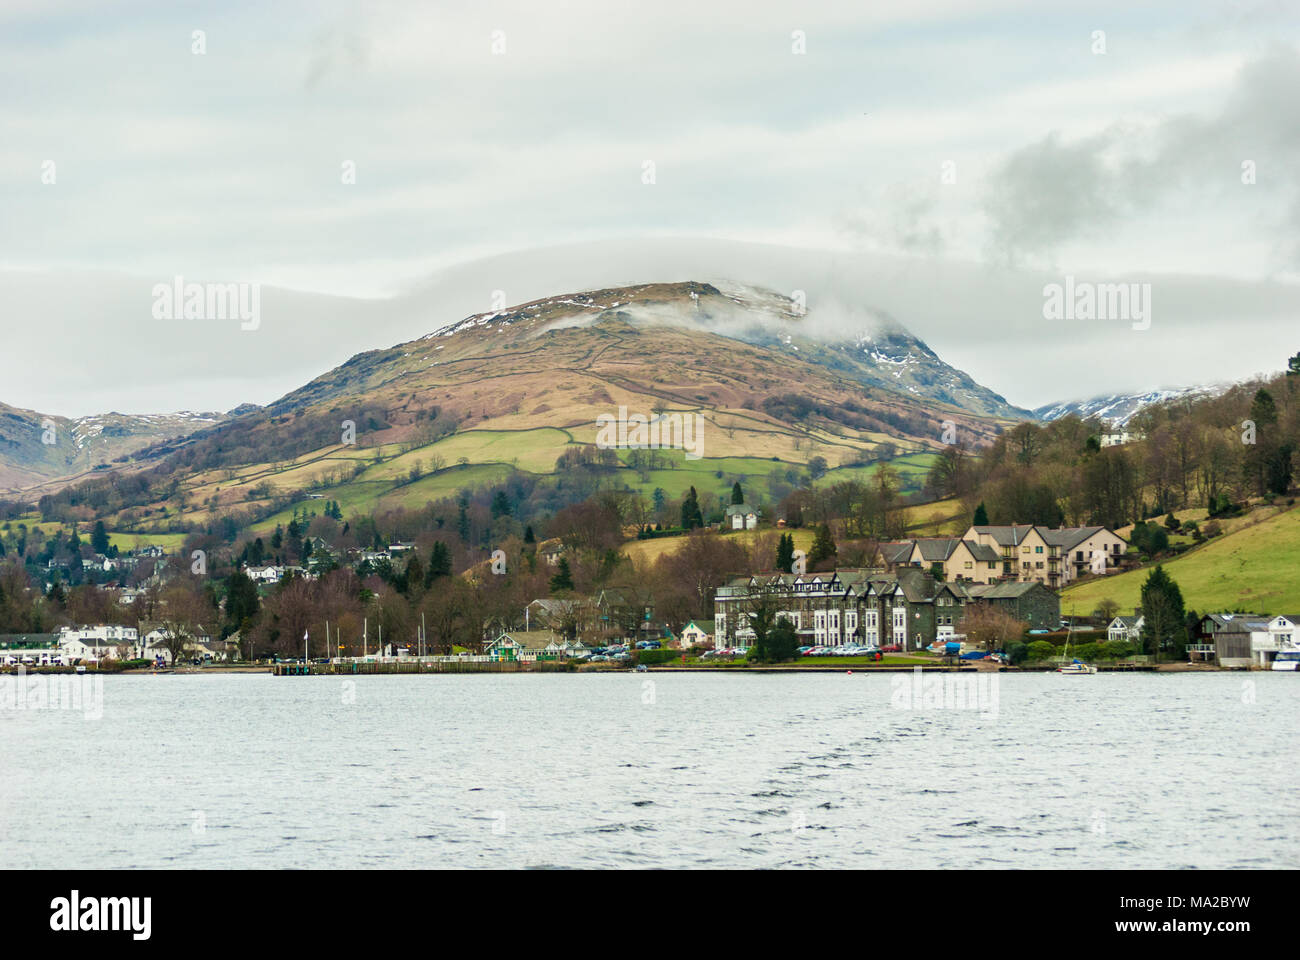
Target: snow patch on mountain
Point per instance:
(1118, 409)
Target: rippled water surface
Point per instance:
(658, 770)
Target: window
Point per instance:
(1038, 549)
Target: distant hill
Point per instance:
(517, 388)
(79, 445)
(1118, 409)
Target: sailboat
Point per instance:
(1076, 666)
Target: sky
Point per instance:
(382, 168)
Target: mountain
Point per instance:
(882, 355)
(1118, 409)
(773, 387)
(36, 448)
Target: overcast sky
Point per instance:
(516, 168)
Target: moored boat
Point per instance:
(1287, 660)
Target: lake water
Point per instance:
(656, 770)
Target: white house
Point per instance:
(153, 644)
(1286, 631)
(264, 574)
(1125, 628)
(524, 645)
(102, 642)
(741, 516)
(693, 635)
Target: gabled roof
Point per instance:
(936, 549)
(982, 552)
(531, 639)
(1003, 590)
(1068, 537)
(1007, 536)
(898, 551)
(743, 509)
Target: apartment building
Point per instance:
(908, 606)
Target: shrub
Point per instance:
(1041, 650)
(1017, 652)
(1085, 651)
(1117, 649)
(651, 657)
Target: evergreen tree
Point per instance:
(691, 516)
(737, 495)
(414, 576)
(782, 642)
(528, 535)
(981, 516)
(563, 579)
(462, 520)
(439, 563)
(1260, 459)
(500, 504)
(785, 553)
(99, 538)
(1164, 618)
(823, 547)
(242, 602)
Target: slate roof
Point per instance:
(1007, 536)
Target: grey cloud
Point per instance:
(1054, 190)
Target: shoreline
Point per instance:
(550, 667)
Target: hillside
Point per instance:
(79, 445)
(1253, 568)
(1118, 409)
(515, 389)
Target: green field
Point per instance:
(491, 455)
(1257, 569)
(171, 542)
(753, 473)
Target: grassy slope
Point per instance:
(1257, 567)
(647, 551)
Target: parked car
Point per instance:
(892, 648)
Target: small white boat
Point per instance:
(81, 668)
(1078, 666)
(1287, 660)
